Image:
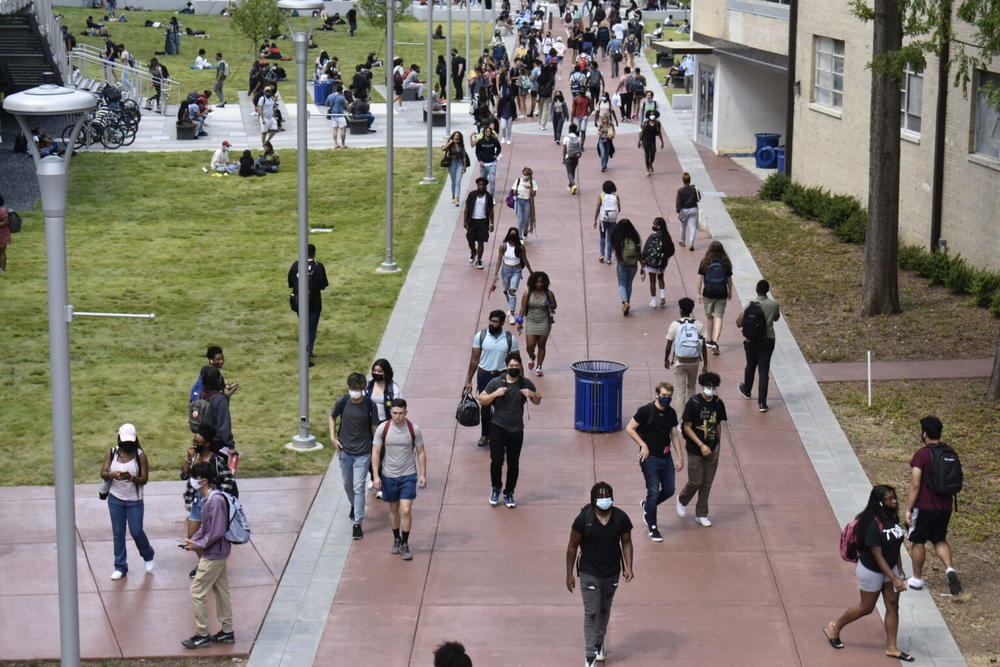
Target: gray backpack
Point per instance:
(573, 146)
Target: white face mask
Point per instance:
(355, 393)
(196, 483)
(604, 503)
(708, 391)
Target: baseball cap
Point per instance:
(226, 144)
(126, 433)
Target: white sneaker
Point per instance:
(511, 317)
(150, 564)
(601, 657)
(369, 484)
(681, 510)
(116, 575)
(652, 302)
(915, 584)
(703, 520)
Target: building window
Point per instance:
(828, 87)
(987, 138)
(779, 2)
(912, 99)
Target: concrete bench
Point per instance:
(187, 131)
(357, 125)
(409, 94)
(664, 60)
(438, 118)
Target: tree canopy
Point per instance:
(257, 19)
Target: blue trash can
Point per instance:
(780, 150)
(764, 154)
(598, 404)
(321, 91)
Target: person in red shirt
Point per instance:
(927, 513)
(582, 108)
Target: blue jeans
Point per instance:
(602, 151)
(313, 326)
(606, 229)
(365, 116)
(489, 172)
(128, 512)
(626, 274)
(353, 472)
(522, 211)
(659, 473)
(455, 171)
(510, 276)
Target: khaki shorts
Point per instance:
(715, 307)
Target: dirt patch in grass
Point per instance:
(818, 279)
(885, 437)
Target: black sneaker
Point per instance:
(762, 407)
(744, 391)
(954, 585)
(223, 637)
(395, 546)
(404, 551)
(351, 515)
(484, 441)
(192, 573)
(479, 263)
(642, 506)
(654, 534)
(358, 533)
(197, 641)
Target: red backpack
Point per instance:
(851, 544)
(409, 425)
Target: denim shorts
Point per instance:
(395, 489)
(195, 514)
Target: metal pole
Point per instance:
(428, 178)
(468, 42)
(303, 439)
(482, 25)
(389, 265)
(447, 77)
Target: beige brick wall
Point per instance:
(761, 32)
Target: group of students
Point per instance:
(268, 162)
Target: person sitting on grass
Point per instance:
(221, 162)
(268, 160)
(201, 62)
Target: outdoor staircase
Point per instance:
(25, 51)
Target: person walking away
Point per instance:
(546, 81)
(488, 154)
(213, 549)
(400, 464)
(654, 429)
(688, 197)
(928, 508)
(605, 141)
(204, 449)
(538, 312)
(214, 390)
(703, 417)
(648, 133)
(560, 112)
(221, 73)
(506, 395)
(715, 288)
(352, 20)
(487, 360)
(656, 253)
(627, 244)
(609, 206)
(757, 321)
(624, 91)
(512, 259)
(458, 161)
(878, 570)
(615, 48)
(572, 149)
(525, 189)
(478, 220)
(686, 344)
(353, 439)
(602, 534)
(317, 283)
(127, 468)
(336, 104)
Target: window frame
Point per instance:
(906, 89)
(824, 94)
(976, 124)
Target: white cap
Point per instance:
(126, 433)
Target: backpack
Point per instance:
(754, 322)
(629, 255)
(510, 343)
(609, 207)
(576, 82)
(946, 471)
(397, 79)
(467, 413)
(409, 425)
(198, 410)
(687, 342)
(715, 281)
(238, 531)
(525, 82)
(574, 148)
(13, 221)
(851, 544)
(652, 253)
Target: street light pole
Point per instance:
(468, 41)
(53, 183)
(428, 178)
(447, 77)
(303, 440)
(389, 264)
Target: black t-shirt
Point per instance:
(655, 429)
(889, 536)
(508, 410)
(601, 548)
(705, 417)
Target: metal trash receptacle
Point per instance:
(765, 155)
(321, 91)
(598, 395)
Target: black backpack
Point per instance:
(754, 322)
(946, 471)
(715, 281)
(198, 410)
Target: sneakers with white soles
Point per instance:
(116, 575)
(681, 510)
(915, 584)
(704, 521)
(150, 564)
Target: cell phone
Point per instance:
(181, 545)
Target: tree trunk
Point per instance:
(993, 392)
(881, 290)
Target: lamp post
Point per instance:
(389, 264)
(428, 178)
(468, 41)
(303, 440)
(447, 77)
(53, 182)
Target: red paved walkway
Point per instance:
(755, 589)
(903, 370)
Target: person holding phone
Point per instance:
(128, 470)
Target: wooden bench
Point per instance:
(357, 125)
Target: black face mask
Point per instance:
(514, 372)
(378, 378)
(128, 447)
(495, 331)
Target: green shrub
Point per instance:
(774, 187)
(984, 287)
(854, 228)
(995, 304)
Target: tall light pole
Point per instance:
(447, 77)
(389, 264)
(468, 41)
(303, 440)
(53, 182)
(428, 178)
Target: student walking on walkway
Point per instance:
(602, 534)
(686, 344)
(656, 253)
(478, 220)
(490, 348)
(560, 112)
(703, 417)
(512, 259)
(715, 288)
(525, 188)
(127, 470)
(757, 323)
(686, 204)
(572, 149)
(457, 160)
(626, 243)
(399, 460)
(353, 440)
(506, 395)
(649, 132)
(879, 572)
(537, 315)
(609, 206)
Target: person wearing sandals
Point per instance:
(537, 314)
(126, 467)
(609, 206)
(627, 244)
(458, 162)
(687, 200)
(879, 570)
(715, 288)
(656, 253)
(204, 449)
(512, 259)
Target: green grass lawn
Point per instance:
(152, 233)
(239, 53)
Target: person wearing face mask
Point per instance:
(125, 465)
(382, 389)
(654, 429)
(266, 106)
(703, 417)
(204, 449)
(353, 439)
(506, 395)
(602, 534)
(490, 348)
(525, 188)
(512, 259)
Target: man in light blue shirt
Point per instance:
(336, 103)
(488, 360)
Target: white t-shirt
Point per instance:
(619, 30)
(220, 158)
(267, 107)
(524, 188)
(201, 63)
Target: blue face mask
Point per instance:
(604, 503)
(664, 400)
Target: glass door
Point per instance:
(706, 102)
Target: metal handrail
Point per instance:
(98, 52)
(137, 84)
